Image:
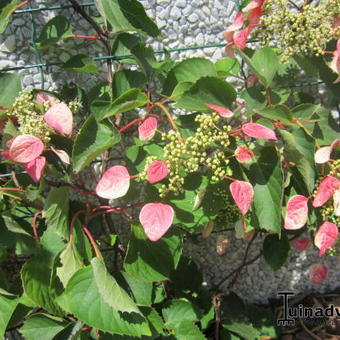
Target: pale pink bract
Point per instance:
(222, 111)
(323, 155)
(335, 64)
(25, 148)
(157, 171)
(244, 155)
(35, 168)
(62, 155)
(60, 118)
(296, 212)
(326, 190)
(242, 193)
(326, 237)
(318, 272)
(147, 129)
(156, 219)
(258, 131)
(114, 183)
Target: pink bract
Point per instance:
(258, 131)
(241, 37)
(157, 171)
(242, 193)
(43, 97)
(222, 111)
(296, 212)
(326, 190)
(25, 148)
(237, 23)
(336, 202)
(301, 243)
(335, 64)
(115, 183)
(326, 236)
(253, 4)
(35, 168)
(147, 129)
(244, 155)
(60, 118)
(156, 219)
(254, 16)
(318, 272)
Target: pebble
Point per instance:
(8, 45)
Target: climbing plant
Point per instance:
(101, 187)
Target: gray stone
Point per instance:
(28, 80)
(193, 17)
(8, 45)
(181, 3)
(175, 13)
(18, 22)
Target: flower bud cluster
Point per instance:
(206, 148)
(304, 31)
(30, 119)
(230, 213)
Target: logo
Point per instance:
(291, 314)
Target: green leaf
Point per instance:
(128, 101)
(254, 98)
(142, 292)
(304, 111)
(186, 268)
(70, 263)
(227, 66)
(80, 63)
(184, 203)
(41, 326)
(276, 250)
(264, 63)
(133, 10)
(7, 307)
(178, 310)
(125, 80)
(56, 29)
(9, 89)
(189, 70)
(187, 330)
(35, 275)
(126, 15)
(5, 15)
(83, 299)
(110, 291)
(93, 139)
(152, 261)
(207, 90)
(267, 180)
(278, 112)
(56, 210)
(300, 148)
(235, 319)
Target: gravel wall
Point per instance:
(183, 23)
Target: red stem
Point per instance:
(95, 37)
(13, 189)
(93, 242)
(159, 117)
(230, 178)
(74, 218)
(130, 124)
(34, 225)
